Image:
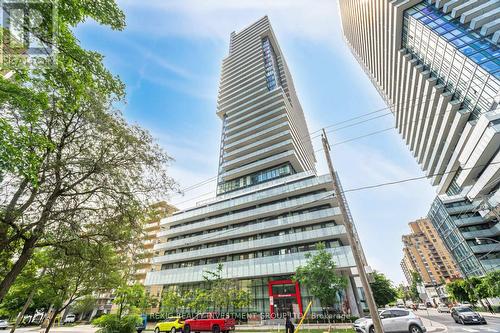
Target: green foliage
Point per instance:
(383, 290)
(112, 323)
(416, 279)
(171, 301)
(220, 294)
(491, 283)
(460, 291)
(84, 305)
(31, 278)
(71, 168)
(320, 276)
(132, 299)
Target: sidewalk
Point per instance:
(488, 314)
(433, 326)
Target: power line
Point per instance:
(309, 138)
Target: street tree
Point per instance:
(171, 301)
(491, 282)
(416, 280)
(222, 293)
(460, 291)
(84, 305)
(70, 277)
(320, 276)
(131, 299)
(383, 290)
(71, 167)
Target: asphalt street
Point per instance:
(445, 319)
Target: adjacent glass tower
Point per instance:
(271, 208)
(437, 65)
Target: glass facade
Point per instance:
(466, 63)
(271, 65)
(447, 225)
(259, 291)
(255, 178)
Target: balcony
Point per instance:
(283, 264)
(264, 194)
(247, 215)
(491, 264)
(466, 221)
(267, 226)
(488, 233)
(485, 248)
(254, 245)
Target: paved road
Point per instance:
(62, 329)
(446, 320)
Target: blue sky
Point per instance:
(169, 56)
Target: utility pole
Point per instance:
(356, 250)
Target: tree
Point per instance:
(459, 290)
(383, 290)
(320, 276)
(84, 305)
(403, 292)
(416, 280)
(171, 301)
(130, 299)
(491, 283)
(71, 168)
(69, 277)
(221, 293)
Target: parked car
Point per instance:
(393, 320)
(172, 325)
(443, 308)
(70, 318)
(465, 315)
(3, 324)
(422, 306)
(209, 322)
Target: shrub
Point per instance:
(111, 323)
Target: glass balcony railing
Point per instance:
(257, 153)
(267, 266)
(491, 232)
(276, 208)
(254, 245)
(259, 164)
(266, 226)
(246, 199)
(259, 143)
(491, 264)
(465, 221)
(486, 248)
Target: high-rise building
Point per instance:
(271, 207)
(436, 63)
(425, 253)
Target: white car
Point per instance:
(422, 306)
(443, 308)
(393, 320)
(3, 324)
(70, 319)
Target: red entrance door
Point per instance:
(284, 298)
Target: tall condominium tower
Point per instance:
(271, 208)
(436, 63)
(425, 254)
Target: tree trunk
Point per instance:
(23, 311)
(16, 269)
(52, 319)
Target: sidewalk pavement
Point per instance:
(489, 314)
(433, 326)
